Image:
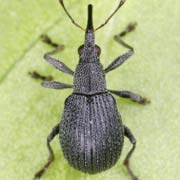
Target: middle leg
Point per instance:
(133, 96)
(36, 75)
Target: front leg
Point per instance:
(56, 63)
(133, 96)
(121, 59)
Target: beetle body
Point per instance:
(91, 131)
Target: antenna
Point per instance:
(107, 20)
(72, 20)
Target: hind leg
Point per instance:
(50, 137)
(130, 136)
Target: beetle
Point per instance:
(91, 130)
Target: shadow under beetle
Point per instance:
(91, 131)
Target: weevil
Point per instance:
(91, 130)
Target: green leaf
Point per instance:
(28, 112)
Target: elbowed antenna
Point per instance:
(90, 23)
(72, 20)
(114, 12)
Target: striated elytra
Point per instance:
(91, 130)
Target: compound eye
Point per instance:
(98, 50)
(80, 49)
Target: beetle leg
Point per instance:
(130, 136)
(120, 59)
(50, 137)
(56, 85)
(46, 39)
(56, 63)
(133, 96)
(36, 75)
(130, 27)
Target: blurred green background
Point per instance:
(28, 112)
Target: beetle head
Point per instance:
(89, 51)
